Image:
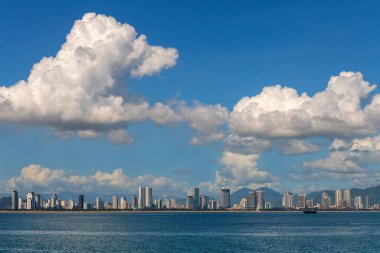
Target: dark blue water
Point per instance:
(189, 232)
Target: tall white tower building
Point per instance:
(338, 198)
(148, 197)
(141, 199)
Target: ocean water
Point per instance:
(190, 232)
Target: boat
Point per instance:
(309, 211)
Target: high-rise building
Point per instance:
(123, 203)
(338, 198)
(115, 202)
(358, 202)
(20, 203)
(145, 199)
(204, 202)
(309, 203)
(53, 201)
(224, 198)
(30, 204)
(159, 204)
(173, 203)
(70, 204)
(347, 198)
(99, 204)
(14, 200)
(287, 200)
(37, 201)
(148, 197)
(243, 203)
(190, 202)
(326, 201)
(141, 201)
(367, 203)
(194, 191)
(213, 205)
(80, 201)
(251, 200)
(301, 201)
(260, 199)
(134, 202)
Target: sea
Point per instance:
(189, 232)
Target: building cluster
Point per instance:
(255, 200)
(194, 201)
(34, 201)
(144, 200)
(343, 201)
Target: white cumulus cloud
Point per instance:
(74, 89)
(280, 112)
(39, 179)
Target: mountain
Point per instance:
(274, 197)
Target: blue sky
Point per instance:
(227, 51)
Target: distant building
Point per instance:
(204, 202)
(173, 203)
(225, 198)
(338, 199)
(268, 205)
(148, 197)
(38, 201)
(251, 200)
(70, 204)
(301, 201)
(287, 200)
(53, 201)
(347, 198)
(123, 203)
(15, 205)
(309, 203)
(194, 192)
(367, 203)
(213, 205)
(358, 203)
(134, 202)
(260, 199)
(145, 199)
(99, 204)
(115, 202)
(190, 202)
(243, 203)
(159, 204)
(20, 203)
(80, 201)
(326, 201)
(141, 200)
(30, 203)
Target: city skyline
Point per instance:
(110, 98)
(255, 200)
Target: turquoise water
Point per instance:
(189, 232)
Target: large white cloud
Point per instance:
(349, 156)
(36, 178)
(280, 112)
(350, 160)
(75, 89)
(237, 171)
